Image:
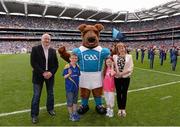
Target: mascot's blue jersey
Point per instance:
(91, 60)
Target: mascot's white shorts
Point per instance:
(90, 80)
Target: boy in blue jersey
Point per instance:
(71, 74)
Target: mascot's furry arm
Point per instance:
(64, 54)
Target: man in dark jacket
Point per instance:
(44, 63)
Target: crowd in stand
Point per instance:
(51, 23)
(48, 23)
(11, 47)
(151, 25)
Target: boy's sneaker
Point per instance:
(76, 116)
(71, 117)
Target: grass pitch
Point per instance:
(159, 106)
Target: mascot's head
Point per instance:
(90, 34)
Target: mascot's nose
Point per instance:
(91, 39)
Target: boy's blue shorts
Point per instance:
(72, 98)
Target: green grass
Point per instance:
(143, 107)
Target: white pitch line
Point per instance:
(166, 97)
(62, 104)
(157, 71)
(151, 87)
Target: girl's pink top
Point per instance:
(108, 82)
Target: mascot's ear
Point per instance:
(99, 27)
(81, 27)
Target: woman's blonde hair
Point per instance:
(120, 45)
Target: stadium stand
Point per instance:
(22, 25)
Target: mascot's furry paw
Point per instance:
(62, 49)
(83, 109)
(101, 109)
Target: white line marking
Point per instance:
(157, 71)
(166, 97)
(151, 87)
(62, 104)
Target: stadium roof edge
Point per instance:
(16, 7)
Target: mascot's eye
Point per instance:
(96, 32)
(84, 32)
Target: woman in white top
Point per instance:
(124, 68)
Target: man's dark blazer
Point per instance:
(38, 63)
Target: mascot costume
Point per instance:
(90, 59)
